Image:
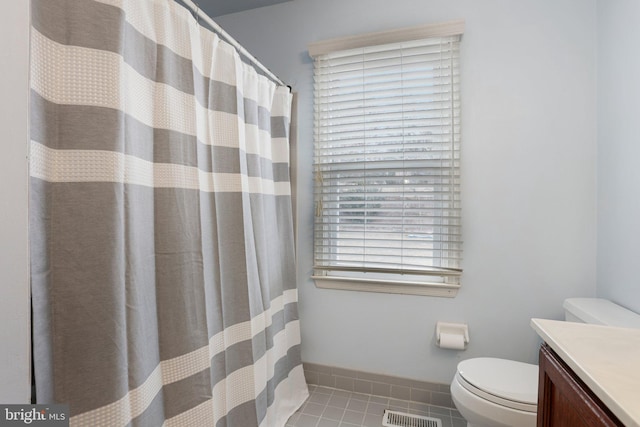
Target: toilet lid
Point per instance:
(506, 379)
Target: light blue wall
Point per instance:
(15, 365)
(619, 152)
(529, 177)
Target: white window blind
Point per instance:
(387, 160)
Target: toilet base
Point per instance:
(482, 413)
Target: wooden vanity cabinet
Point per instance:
(564, 400)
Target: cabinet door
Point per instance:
(564, 400)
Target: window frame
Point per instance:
(442, 282)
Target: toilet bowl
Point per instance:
(491, 392)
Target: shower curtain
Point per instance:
(163, 280)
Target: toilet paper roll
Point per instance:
(452, 341)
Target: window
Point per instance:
(387, 162)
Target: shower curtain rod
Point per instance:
(196, 9)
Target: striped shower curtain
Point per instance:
(161, 223)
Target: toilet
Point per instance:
(491, 392)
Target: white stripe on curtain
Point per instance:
(106, 166)
(226, 397)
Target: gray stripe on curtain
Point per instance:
(163, 272)
(63, 127)
(108, 121)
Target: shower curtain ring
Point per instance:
(197, 13)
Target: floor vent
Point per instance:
(400, 419)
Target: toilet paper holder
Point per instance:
(460, 330)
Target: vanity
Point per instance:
(589, 375)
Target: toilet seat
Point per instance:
(504, 382)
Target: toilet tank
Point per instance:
(599, 312)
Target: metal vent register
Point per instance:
(400, 419)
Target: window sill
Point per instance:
(387, 286)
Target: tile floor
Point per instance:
(328, 407)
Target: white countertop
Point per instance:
(606, 358)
